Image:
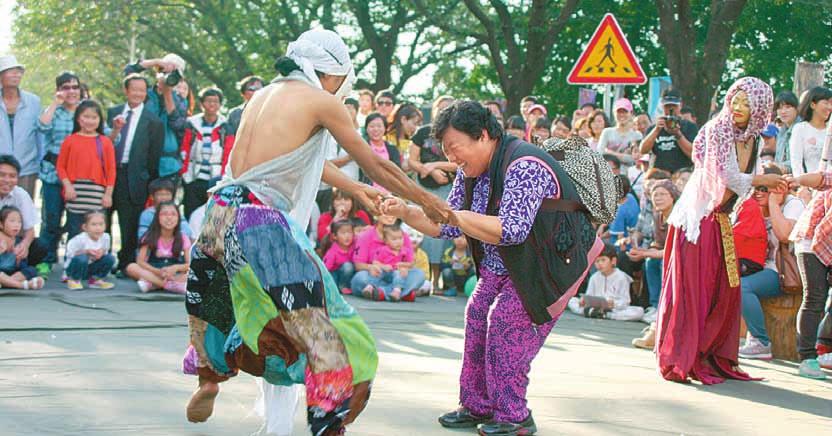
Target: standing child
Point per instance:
(457, 267)
(86, 166)
(164, 253)
(88, 254)
(14, 273)
(608, 293)
(338, 257)
(395, 264)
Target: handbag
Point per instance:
(88, 194)
(787, 269)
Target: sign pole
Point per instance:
(608, 100)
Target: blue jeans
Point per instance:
(415, 279)
(343, 275)
(452, 280)
(763, 284)
(80, 267)
(653, 275)
(53, 208)
(74, 221)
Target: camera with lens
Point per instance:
(672, 122)
(173, 78)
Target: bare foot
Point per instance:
(202, 402)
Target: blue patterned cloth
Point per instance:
(53, 136)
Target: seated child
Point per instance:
(164, 253)
(88, 255)
(14, 273)
(338, 257)
(395, 264)
(457, 267)
(161, 191)
(608, 292)
(420, 259)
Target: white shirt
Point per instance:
(131, 132)
(615, 286)
(20, 199)
(806, 146)
(197, 217)
(792, 209)
(613, 140)
(82, 242)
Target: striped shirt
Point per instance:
(205, 169)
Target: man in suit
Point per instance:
(138, 136)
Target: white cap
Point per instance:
(176, 60)
(9, 62)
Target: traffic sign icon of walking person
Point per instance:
(608, 58)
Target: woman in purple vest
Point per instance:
(509, 196)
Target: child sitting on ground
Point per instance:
(457, 267)
(339, 253)
(608, 292)
(161, 191)
(420, 259)
(395, 265)
(164, 253)
(88, 255)
(14, 273)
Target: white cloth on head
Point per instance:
(321, 50)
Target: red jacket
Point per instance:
(222, 141)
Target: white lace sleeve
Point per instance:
(735, 180)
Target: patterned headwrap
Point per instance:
(714, 155)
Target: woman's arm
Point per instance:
(780, 225)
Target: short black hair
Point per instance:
(566, 121)
(211, 91)
(814, 95)
(543, 123)
(7, 159)
(66, 77)
(592, 105)
(530, 98)
(374, 116)
(386, 93)
(161, 185)
(469, 117)
(672, 92)
(614, 159)
(609, 251)
(785, 97)
(134, 76)
(395, 227)
(625, 185)
(515, 122)
(352, 102)
(248, 80)
(5, 211)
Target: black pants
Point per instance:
(324, 200)
(196, 194)
(128, 219)
(816, 284)
(37, 251)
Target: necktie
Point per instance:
(122, 142)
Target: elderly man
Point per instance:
(19, 112)
(532, 245)
(29, 248)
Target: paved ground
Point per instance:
(107, 363)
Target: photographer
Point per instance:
(670, 139)
(169, 106)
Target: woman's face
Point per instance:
(560, 130)
(409, 125)
(761, 195)
(662, 200)
(740, 109)
(365, 102)
(471, 155)
(342, 203)
(375, 129)
(642, 123)
(623, 116)
(182, 89)
(597, 124)
(89, 120)
(71, 91)
(787, 114)
(822, 109)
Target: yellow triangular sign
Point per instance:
(608, 58)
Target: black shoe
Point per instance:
(462, 418)
(593, 312)
(527, 427)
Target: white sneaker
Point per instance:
(754, 349)
(650, 315)
(825, 361)
(144, 285)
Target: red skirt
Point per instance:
(699, 315)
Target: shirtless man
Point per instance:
(276, 162)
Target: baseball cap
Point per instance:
(770, 131)
(623, 103)
(538, 107)
(671, 96)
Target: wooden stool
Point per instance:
(781, 324)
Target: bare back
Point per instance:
(276, 121)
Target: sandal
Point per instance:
(36, 283)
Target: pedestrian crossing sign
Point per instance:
(608, 58)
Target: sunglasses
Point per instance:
(70, 87)
(761, 189)
(385, 103)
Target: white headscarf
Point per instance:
(323, 50)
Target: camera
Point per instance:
(173, 78)
(671, 122)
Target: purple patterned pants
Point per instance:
(500, 343)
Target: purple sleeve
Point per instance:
(527, 183)
(455, 199)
